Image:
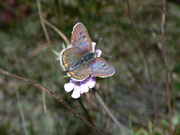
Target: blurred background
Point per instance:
(24, 51)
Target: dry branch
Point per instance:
(141, 47)
(165, 64)
(4, 72)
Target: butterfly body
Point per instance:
(89, 56)
(80, 59)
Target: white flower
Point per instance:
(80, 87)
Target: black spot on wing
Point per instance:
(104, 65)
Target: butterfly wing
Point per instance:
(81, 38)
(80, 73)
(69, 56)
(101, 68)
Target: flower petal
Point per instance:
(93, 46)
(68, 87)
(91, 83)
(76, 92)
(84, 88)
(98, 52)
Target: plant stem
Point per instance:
(87, 123)
(21, 113)
(165, 64)
(57, 30)
(119, 125)
(140, 41)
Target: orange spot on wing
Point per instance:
(75, 76)
(72, 73)
(66, 65)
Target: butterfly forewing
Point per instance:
(101, 68)
(81, 38)
(70, 56)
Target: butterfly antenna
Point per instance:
(111, 57)
(99, 41)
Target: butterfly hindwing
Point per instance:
(80, 73)
(101, 68)
(81, 38)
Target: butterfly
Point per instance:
(80, 60)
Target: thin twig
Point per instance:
(119, 125)
(57, 30)
(21, 113)
(145, 58)
(37, 50)
(44, 102)
(45, 30)
(4, 72)
(85, 110)
(44, 47)
(42, 22)
(165, 64)
(48, 43)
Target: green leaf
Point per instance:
(57, 54)
(63, 46)
(65, 76)
(150, 127)
(175, 119)
(165, 122)
(141, 131)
